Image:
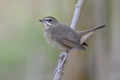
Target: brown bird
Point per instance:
(64, 38)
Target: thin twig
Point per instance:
(59, 72)
(76, 15)
(61, 62)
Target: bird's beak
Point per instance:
(41, 20)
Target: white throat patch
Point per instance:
(47, 25)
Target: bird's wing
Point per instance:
(66, 36)
(72, 43)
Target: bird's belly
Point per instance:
(54, 43)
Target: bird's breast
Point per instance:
(53, 43)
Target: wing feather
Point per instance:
(66, 36)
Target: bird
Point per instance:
(64, 38)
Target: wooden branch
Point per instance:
(76, 15)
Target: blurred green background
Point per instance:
(24, 53)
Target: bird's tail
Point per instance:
(84, 35)
(90, 30)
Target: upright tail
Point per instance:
(84, 35)
(80, 33)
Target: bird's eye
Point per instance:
(49, 20)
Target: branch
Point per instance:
(59, 72)
(76, 15)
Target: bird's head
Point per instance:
(49, 21)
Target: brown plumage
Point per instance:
(61, 36)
